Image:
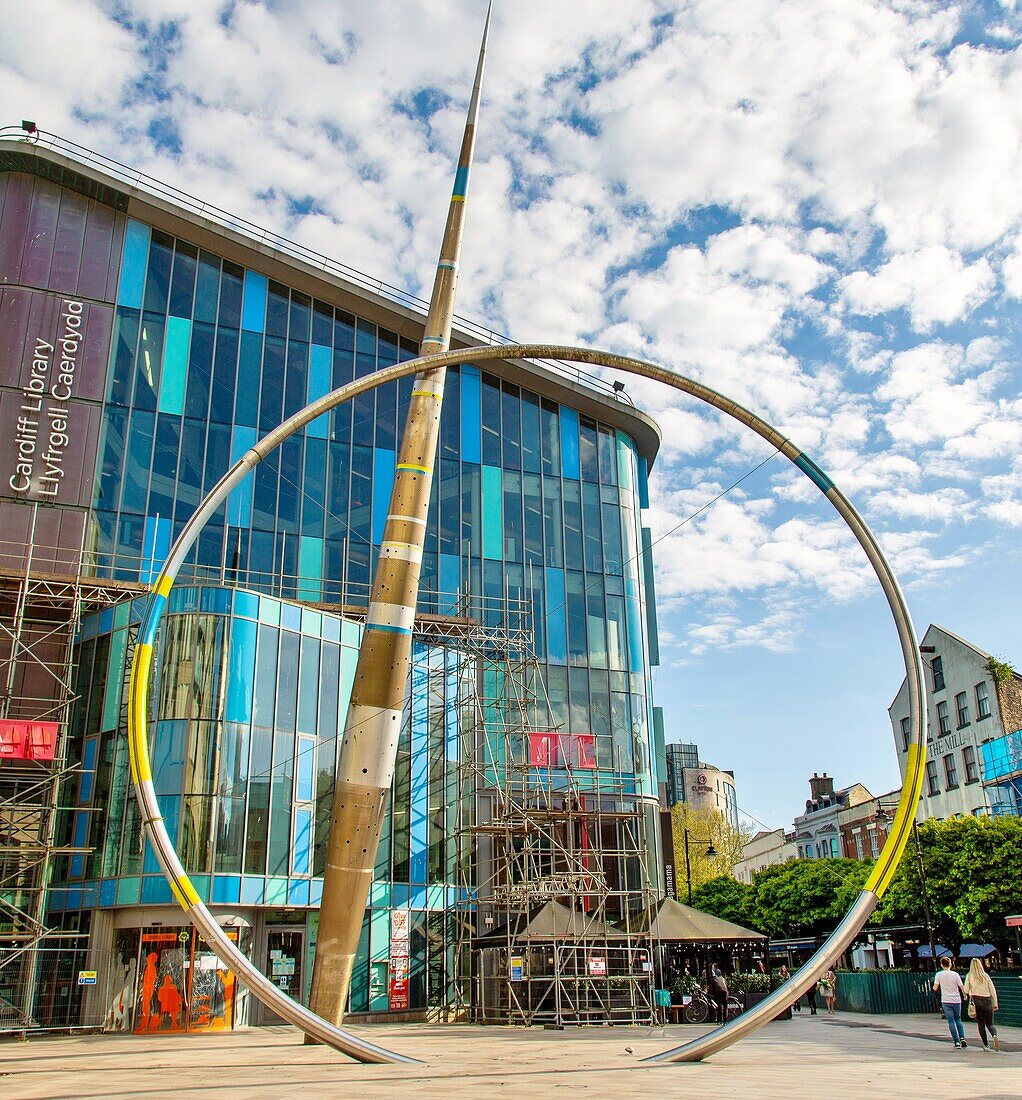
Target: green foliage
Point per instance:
(684, 985)
(973, 869)
(802, 896)
(705, 827)
(728, 899)
(740, 984)
(1001, 671)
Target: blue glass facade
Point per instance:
(197, 351)
(531, 500)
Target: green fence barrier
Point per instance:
(1009, 999)
(885, 991)
(898, 991)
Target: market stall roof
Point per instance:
(976, 950)
(939, 952)
(552, 921)
(669, 920)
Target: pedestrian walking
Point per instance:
(828, 987)
(948, 983)
(811, 998)
(784, 974)
(718, 994)
(982, 994)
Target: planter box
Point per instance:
(755, 998)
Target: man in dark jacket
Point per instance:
(718, 994)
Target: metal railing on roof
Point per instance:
(141, 181)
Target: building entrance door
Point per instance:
(285, 950)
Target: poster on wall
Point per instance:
(399, 939)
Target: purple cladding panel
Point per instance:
(59, 255)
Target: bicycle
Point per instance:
(696, 1008)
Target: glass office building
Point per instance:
(146, 346)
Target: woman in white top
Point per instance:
(983, 993)
(948, 984)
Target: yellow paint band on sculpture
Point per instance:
(138, 741)
(883, 873)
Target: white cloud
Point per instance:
(933, 284)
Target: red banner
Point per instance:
(399, 960)
(562, 750)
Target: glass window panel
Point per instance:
(322, 323)
(471, 522)
(308, 687)
(328, 705)
(265, 677)
(551, 438)
(276, 309)
(531, 459)
(136, 466)
(200, 371)
(612, 554)
(450, 417)
(533, 529)
(512, 507)
(182, 287)
(296, 379)
(161, 257)
(587, 449)
(207, 289)
(511, 427)
(578, 648)
(490, 421)
(287, 681)
(150, 360)
(592, 528)
(164, 475)
(271, 401)
(596, 622)
(572, 524)
(608, 456)
(553, 521)
(126, 331)
(301, 317)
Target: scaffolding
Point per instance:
(44, 591)
(553, 856)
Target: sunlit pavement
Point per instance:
(853, 1055)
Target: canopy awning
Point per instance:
(939, 951)
(553, 921)
(672, 922)
(976, 950)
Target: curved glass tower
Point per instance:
(192, 339)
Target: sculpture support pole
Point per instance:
(368, 748)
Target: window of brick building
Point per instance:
(982, 700)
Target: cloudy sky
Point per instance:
(812, 205)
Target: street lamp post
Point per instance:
(882, 815)
(711, 853)
(923, 895)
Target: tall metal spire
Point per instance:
(366, 765)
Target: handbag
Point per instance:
(972, 1008)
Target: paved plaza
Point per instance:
(856, 1056)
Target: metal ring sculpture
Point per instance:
(314, 1026)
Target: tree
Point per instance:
(973, 868)
(803, 896)
(706, 828)
(729, 899)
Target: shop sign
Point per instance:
(45, 416)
